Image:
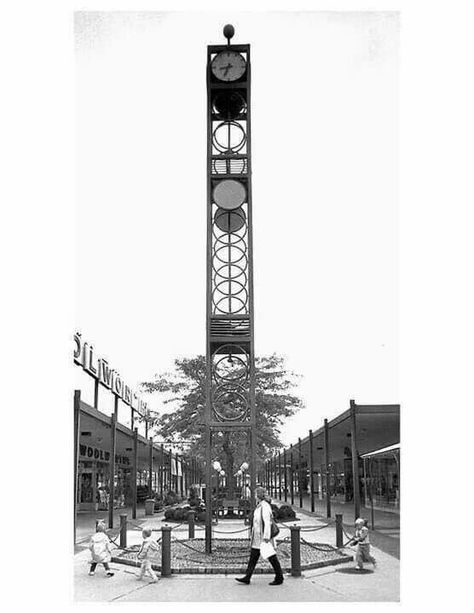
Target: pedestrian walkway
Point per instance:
(385, 536)
(337, 583)
(85, 521)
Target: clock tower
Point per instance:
(230, 367)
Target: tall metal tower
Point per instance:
(230, 367)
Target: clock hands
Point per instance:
(226, 68)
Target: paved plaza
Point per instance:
(332, 583)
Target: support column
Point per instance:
(326, 454)
(272, 477)
(162, 469)
(292, 492)
(300, 473)
(285, 476)
(311, 469)
(355, 460)
(372, 516)
(269, 476)
(208, 500)
(179, 460)
(113, 428)
(150, 467)
(279, 476)
(77, 430)
(253, 466)
(184, 471)
(170, 472)
(134, 473)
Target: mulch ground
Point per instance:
(231, 556)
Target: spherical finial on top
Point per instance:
(229, 32)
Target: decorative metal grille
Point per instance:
(230, 383)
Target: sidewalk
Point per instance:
(85, 521)
(386, 535)
(336, 583)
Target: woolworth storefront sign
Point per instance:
(98, 367)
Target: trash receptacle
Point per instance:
(149, 506)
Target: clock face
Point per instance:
(228, 66)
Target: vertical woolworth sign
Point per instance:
(230, 368)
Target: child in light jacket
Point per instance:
(145, 555)
(100, 550)
(361, 538)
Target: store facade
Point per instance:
(365, 441)
(116, 463)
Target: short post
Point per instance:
(339, 540)
(123, 530)
(191, 524)
(166, 551)
(295, 551)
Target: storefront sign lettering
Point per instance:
(99, 369)
(93, 453)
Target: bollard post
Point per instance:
(339, 540)
(166, 551)
(295, 551)
(191, 524)
(123, 530)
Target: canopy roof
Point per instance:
(377, 427)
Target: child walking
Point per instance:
(361, 538)
(145, 555)
(100, 549)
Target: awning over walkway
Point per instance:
(377, 426)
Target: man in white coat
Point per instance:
(262, 519)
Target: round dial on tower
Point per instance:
(228, 66)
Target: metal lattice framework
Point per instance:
(230, 402)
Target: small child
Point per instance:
(145, 555)
(100, 550)
(361, 538)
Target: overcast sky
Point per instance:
(324, 140)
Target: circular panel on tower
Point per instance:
(229, 194)
(228, 104)
(229, 221)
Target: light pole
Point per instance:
(216, 465)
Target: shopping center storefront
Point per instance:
(117, 463)
(382, 478)
(364, 440)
